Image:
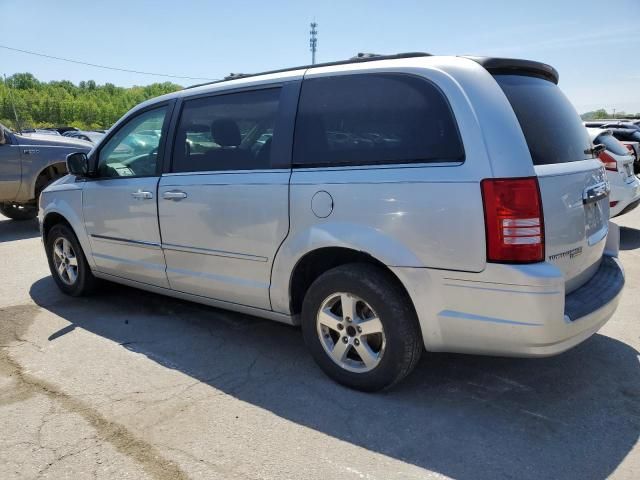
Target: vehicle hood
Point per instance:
(52, 140)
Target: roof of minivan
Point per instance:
(365, 61)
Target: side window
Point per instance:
(227, 132)
(374, 119)
(133, 150)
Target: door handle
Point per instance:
(595, 193)
(174, 195)
(142, 195)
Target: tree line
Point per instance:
(603, 114)
(89, 106)
(86, 106)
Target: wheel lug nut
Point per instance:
(348, 319)
(359, 329)
(340, 326)
(356, 342)
(345, 339)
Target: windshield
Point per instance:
(94, 136)
(551, 126)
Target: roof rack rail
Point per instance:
(234, 76)
(360, 57)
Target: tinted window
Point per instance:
(551, 126)
(613, 145)
(374, 118)
(227, 132)
(133, 150)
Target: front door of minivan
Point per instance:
(120, 206)
(224, 205)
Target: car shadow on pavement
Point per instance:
(574, 416)
(12, 230)
(629, 238)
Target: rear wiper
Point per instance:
(596, 150)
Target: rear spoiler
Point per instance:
(514, 66)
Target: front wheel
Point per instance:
(18, 212)
(67, 262)
(360, 327)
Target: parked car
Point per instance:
(625, 124)
(89, 136)
(631, 139)
(462, 233)
(28, 163)
(617, 161)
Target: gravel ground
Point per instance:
(128, 384)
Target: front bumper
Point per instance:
(511, 310)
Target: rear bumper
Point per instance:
(627, 197)
(511, 310)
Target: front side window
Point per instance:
(227, 132)
(374, 119)
(133, 150)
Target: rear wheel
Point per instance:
(67, 262)
(360, 327)
(18, 212)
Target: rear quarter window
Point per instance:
(552, 128)
(376, 118)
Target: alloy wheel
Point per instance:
(65, 260)
(350, 332)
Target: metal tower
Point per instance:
(313, 41)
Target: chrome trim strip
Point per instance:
(216, 253)
(124, 241)
(228, 172)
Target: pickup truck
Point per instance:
(28, 163)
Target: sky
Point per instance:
(595, 45)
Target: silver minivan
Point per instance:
(385, 204)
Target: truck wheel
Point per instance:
(18, 212)
(67, 262)
(361, 327)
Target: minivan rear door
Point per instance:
(572, 182)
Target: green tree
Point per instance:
(60, 103)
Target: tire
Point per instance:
(391, 353)
(83, 282)
(18, 212)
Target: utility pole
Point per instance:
(313, 41)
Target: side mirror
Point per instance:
(78, 164)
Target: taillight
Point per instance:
(514, 223)
(632, 152)
(608, 161)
